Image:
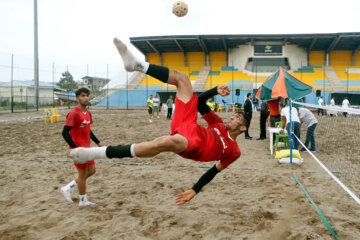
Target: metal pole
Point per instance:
(324, 89)
(232, 89)
(36, 57)
(146, 97)
(210, 78)
(12, 75)
(107, 86)
(347, 79)
(255, 76)
(127, 91)
(53, 84)
(324, 83)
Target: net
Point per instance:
(337, 136)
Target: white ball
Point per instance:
(180, 9)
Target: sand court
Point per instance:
(255, 198)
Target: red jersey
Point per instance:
(218, 144)
(80, 122)
(204, 144)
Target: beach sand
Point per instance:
(255, 198)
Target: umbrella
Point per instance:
(283, 84)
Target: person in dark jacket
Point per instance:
(264, 113)
(248, 109)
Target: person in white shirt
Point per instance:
(156, 103)
(295, 122)
(332, 102)
(321, 103)
(345, 104)
(307, 118)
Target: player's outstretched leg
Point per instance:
(175, 144)
(131, 63)
(180, 80)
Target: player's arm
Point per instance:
(203, 108)
(95, 139)
(204, 179)
(67, 137)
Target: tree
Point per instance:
(67, 81)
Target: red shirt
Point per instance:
(80, 122)
(214, 142)
(274, 108)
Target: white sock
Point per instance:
(131, 63)
(145, 66)
(99, 152)
(71, 185)
(83, 198)
(132, 150)
(83, 155)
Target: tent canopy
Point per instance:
(283, 84)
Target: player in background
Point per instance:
(77, 133)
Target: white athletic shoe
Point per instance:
(86, 203)
(66, 193)
(158, 117)
(150, 120)
(131, 63)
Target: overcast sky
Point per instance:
(79, 33)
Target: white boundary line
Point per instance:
(331, 175)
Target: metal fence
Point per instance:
(28, 103)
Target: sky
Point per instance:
(76, 35)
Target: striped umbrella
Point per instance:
(283, 84)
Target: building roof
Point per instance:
(95, 78)
(28, 83)
(208, 43)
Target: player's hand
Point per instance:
(99, 145)
(185, 197)
(281, 131)
(223, 90)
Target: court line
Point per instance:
(327, 224)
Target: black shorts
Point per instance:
(150, 110)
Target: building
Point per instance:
(24, 91)
(94, 83)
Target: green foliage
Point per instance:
(67, 82)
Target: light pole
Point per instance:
(36, 57)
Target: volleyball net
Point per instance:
(337, 138)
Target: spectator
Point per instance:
(306, 117)
(156, 105)
(332, 102)
(285, 115)
(149, 107)
(321, 103)
(211, 104)
(345, 104)
(264, 113)
(248, 110)
(169, 103)
(274, 111)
